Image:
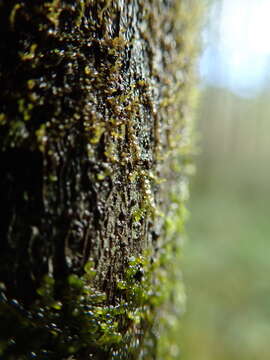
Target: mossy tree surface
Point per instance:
(94, 136)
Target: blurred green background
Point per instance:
(226, 262)
(226, 259)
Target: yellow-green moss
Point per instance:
(54, 9)
(84, 319)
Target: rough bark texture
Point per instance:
(93, 104)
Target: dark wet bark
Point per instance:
(87, 114)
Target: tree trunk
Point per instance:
(94, 138)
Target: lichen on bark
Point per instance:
(95, 133)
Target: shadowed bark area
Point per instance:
(89, 127)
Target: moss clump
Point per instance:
(83, 323)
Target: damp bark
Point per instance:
(95, 137)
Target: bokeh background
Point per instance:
(227, 256)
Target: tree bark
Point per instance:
(94, 108)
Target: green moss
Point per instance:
(3, 119)
(30, 54)
(83, 320)
(41, 137)
(31, 84)
(54, 9)
(13, 13)
(25, 109)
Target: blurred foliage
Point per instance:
(227, 256)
